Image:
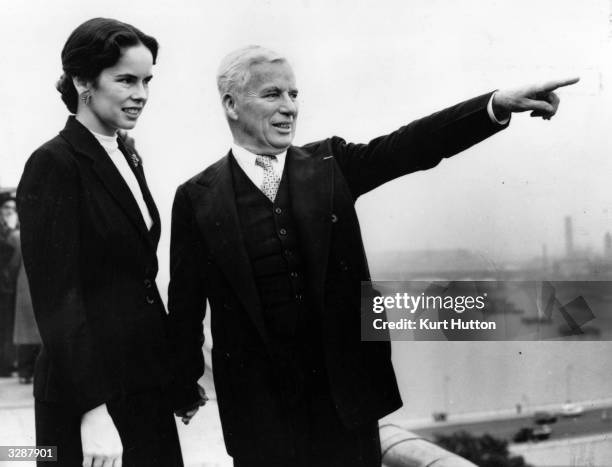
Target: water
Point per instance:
(468, 377)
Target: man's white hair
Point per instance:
(234, 71)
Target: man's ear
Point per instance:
(229, 104)
(81, 85)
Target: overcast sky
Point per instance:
(363, 68)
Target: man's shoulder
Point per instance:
(209, 173)
(314, 147)
(323, 147)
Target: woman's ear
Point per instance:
(81, 85)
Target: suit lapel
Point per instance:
(217, 217)
(132, 155)
(86, 144)
(311, 191)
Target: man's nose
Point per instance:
(289, 105)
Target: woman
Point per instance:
(89, 231)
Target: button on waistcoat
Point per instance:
(271, 241)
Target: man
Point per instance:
(269, 236)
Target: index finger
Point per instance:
(558, 83)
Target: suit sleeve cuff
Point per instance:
(492, 116)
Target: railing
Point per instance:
(402, 448)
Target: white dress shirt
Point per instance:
(492, 116)
(110, 145)
(246, 161)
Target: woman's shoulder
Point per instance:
(56, 147)
(55, 153)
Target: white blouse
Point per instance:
(111, 146)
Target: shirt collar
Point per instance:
(247, 158)
(109, 143)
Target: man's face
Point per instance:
(266, 109)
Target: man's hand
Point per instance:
(539, 98)
(187, 413)
(100, 440)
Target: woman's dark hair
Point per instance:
(93, 46)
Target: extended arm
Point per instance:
(423, 143)
(420, 145)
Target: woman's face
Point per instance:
(120, 93)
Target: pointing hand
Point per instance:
(539, 98)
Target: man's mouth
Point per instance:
(132, 111)
(283, 125)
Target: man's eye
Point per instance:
(293, 95)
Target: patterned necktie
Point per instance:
(271, 181)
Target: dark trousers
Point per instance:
(145, 423)
(319, 437)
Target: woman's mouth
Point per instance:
(132, 111)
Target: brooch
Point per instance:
(135, 160)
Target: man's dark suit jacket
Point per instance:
(91, 263)
(209, 262)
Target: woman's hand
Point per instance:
(100, 439)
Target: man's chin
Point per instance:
(278, 151)
(274, 150)
(271, 148)
(282, 145)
